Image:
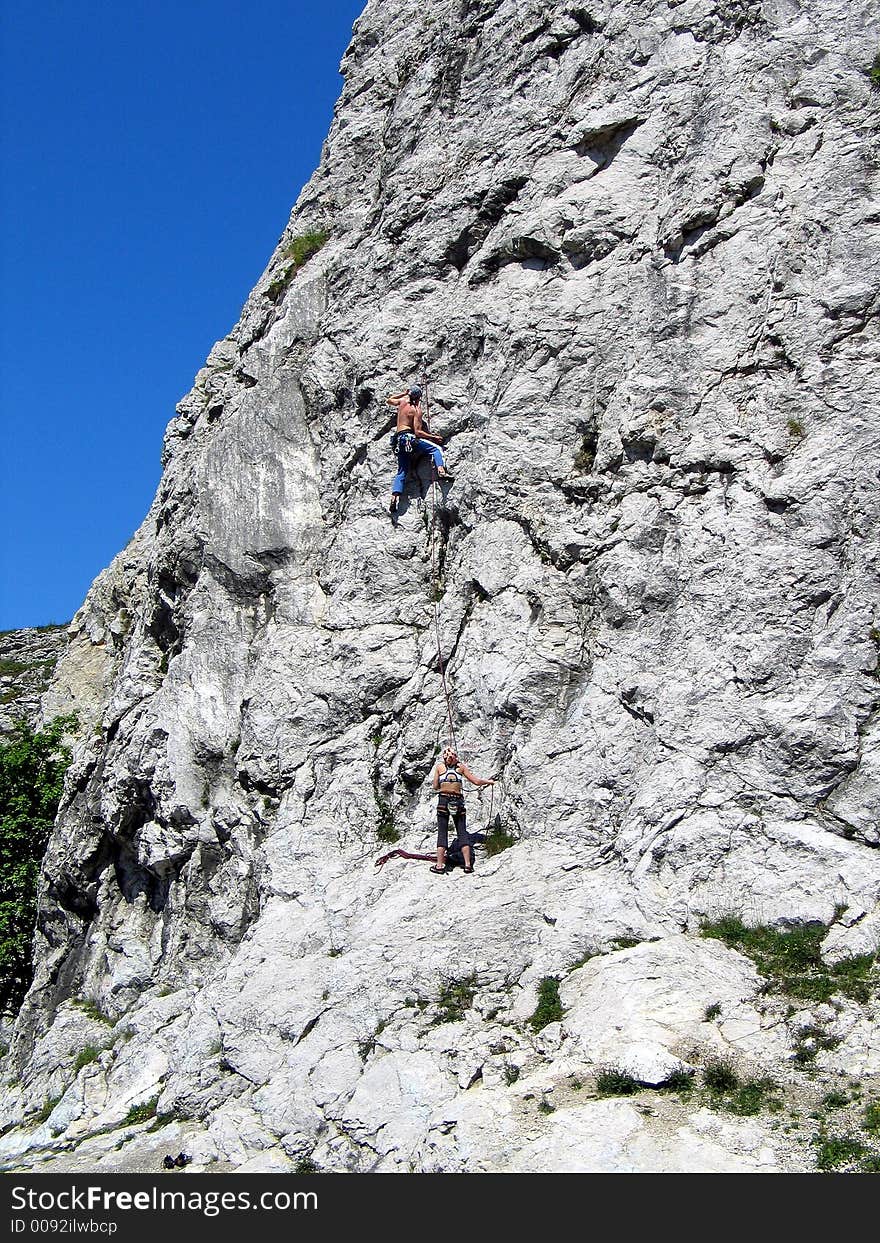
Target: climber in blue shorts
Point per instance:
(412, 439)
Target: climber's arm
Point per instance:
(422, 432)
(477, 781)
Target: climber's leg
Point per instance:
(436, 456)
(462, 837)
(442, 833)
(403, 460)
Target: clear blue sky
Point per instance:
(150, 152)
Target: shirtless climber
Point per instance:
(412, 439)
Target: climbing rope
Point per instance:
(435, 581)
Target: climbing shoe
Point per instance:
(392, 508)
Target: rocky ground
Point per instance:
(635, 248)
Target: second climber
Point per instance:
(447, 781)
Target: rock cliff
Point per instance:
(635, 249)
(28, 658)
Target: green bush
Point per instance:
(32, 767)
(45, 1109)
(12, 668)
(679, 1081)
(791, 959)
(549, 1007)
(751, 1097)
(85, 1057)
(92, 1011)
(386, 829)
(719, 1076)
(298, 251)
(832, 1151)
(835, 1100)
(456, 998)
(872, 1118)
(611, 1081)
(874, 73)
(141, 1113)
(497, 839)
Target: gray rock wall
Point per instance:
(635, 249)
(28, 658)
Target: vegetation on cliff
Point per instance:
(32, 767)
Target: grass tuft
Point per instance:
(456, 998)
(874, 73)
(549, 1007)
(833, 1151)
(497, 839)
(92, 1011)
(612, 1081)
(297, 252)
(791, 959)
(85, 1057)
(141, 1113)
(719, 1076)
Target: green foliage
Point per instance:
(32, 767)
(751, 1097)
(511, 1073)
(386, 829)
(306, 1166)
(45, 1110)
(874, 73)
(872, 1118)
(835, 1100)
(456, 998)
(141, 1113)
(298, 251)
(741, 1097)
(796, 428)
(611, 1081)
(810, 1040)
(366, 1047)
(832, 1151)
(85, 1057)
(12, 668)
(712, 1011)
(549, 1007)
(497, 839)
(679, 1081)
(92, 1011)
(719, 1076)
(625, 943)
(791, 959)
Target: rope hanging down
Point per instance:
(435, 582)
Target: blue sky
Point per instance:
(150, 152)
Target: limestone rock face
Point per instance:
(635, 250)
(28, 658)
